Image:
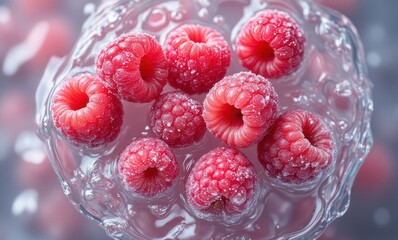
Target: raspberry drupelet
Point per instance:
(298, 148)
(199, 57)
(240, 108)
(222, 182)
(134, 67)
(271, 44)
(177, 119)
(86, 112)
(147, 167)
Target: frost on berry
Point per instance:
(86, 112)
(147, 167)
(177, 119)
(298, 148)
(134, 67)
(271, 44)
(240, 108)
(198, 56)
(221, 184)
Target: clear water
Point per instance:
(332, 82)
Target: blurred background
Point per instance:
(32, 204)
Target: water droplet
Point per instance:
(158, 210)
(343, 125)
(115, 15)
(157, 19)
(219, 20)
(89, 194)
(114, 227)
(348, 137)
(344, 88)
(370, 105)
(65, 188)
(203, 13)
(177, 15)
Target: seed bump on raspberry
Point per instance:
(177, 119)
(148, 167)
(199, 57)
(134, 67)
(298, 148)
(222, 182)
(271, 44)
(86, 112)
(240, 108)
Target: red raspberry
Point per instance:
(148, 167)
(177, 119)
(298, 148)
(240, 108)
(271, 44)
(199, 57)
(86, 112)
(222, 181)
(134, 67)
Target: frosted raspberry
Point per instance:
(222, 181)
(271, 44)
(134, 67)
(177, 119)
(147, 167)
(298, 148)
(86, 112)
(199, 57)
(240, 108)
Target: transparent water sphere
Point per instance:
(332, 81)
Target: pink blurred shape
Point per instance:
(376, 175)
(47, 38)
(57, 218)
(35, 7)
(16, 111)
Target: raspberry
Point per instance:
(199, 57)
(177, 119)
(271, 44)
(240, 108)
(148, 167)
(86, 112)
(298, 148)
(222, 181)
(134, 67)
